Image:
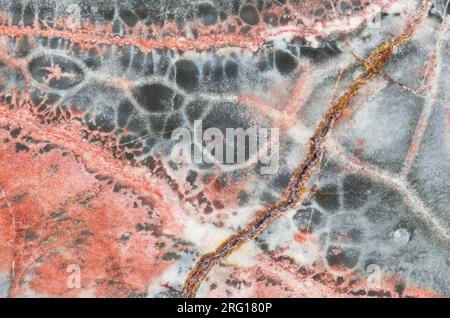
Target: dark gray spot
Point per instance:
(249, 14)
(187, 75)
(41, 69)
(207, 13)
(154, 98)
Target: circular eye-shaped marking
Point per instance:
(401, 237)
(249, 14)
(154, 98)
(56, 71)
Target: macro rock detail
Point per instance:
(94, 203)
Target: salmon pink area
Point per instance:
(56, 212)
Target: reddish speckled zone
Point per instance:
(55, 211)
(278, 276)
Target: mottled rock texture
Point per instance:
(90, 92)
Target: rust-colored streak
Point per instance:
(145, 45)
(170, 37)
(296, 188)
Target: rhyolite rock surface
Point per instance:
(90, 92)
